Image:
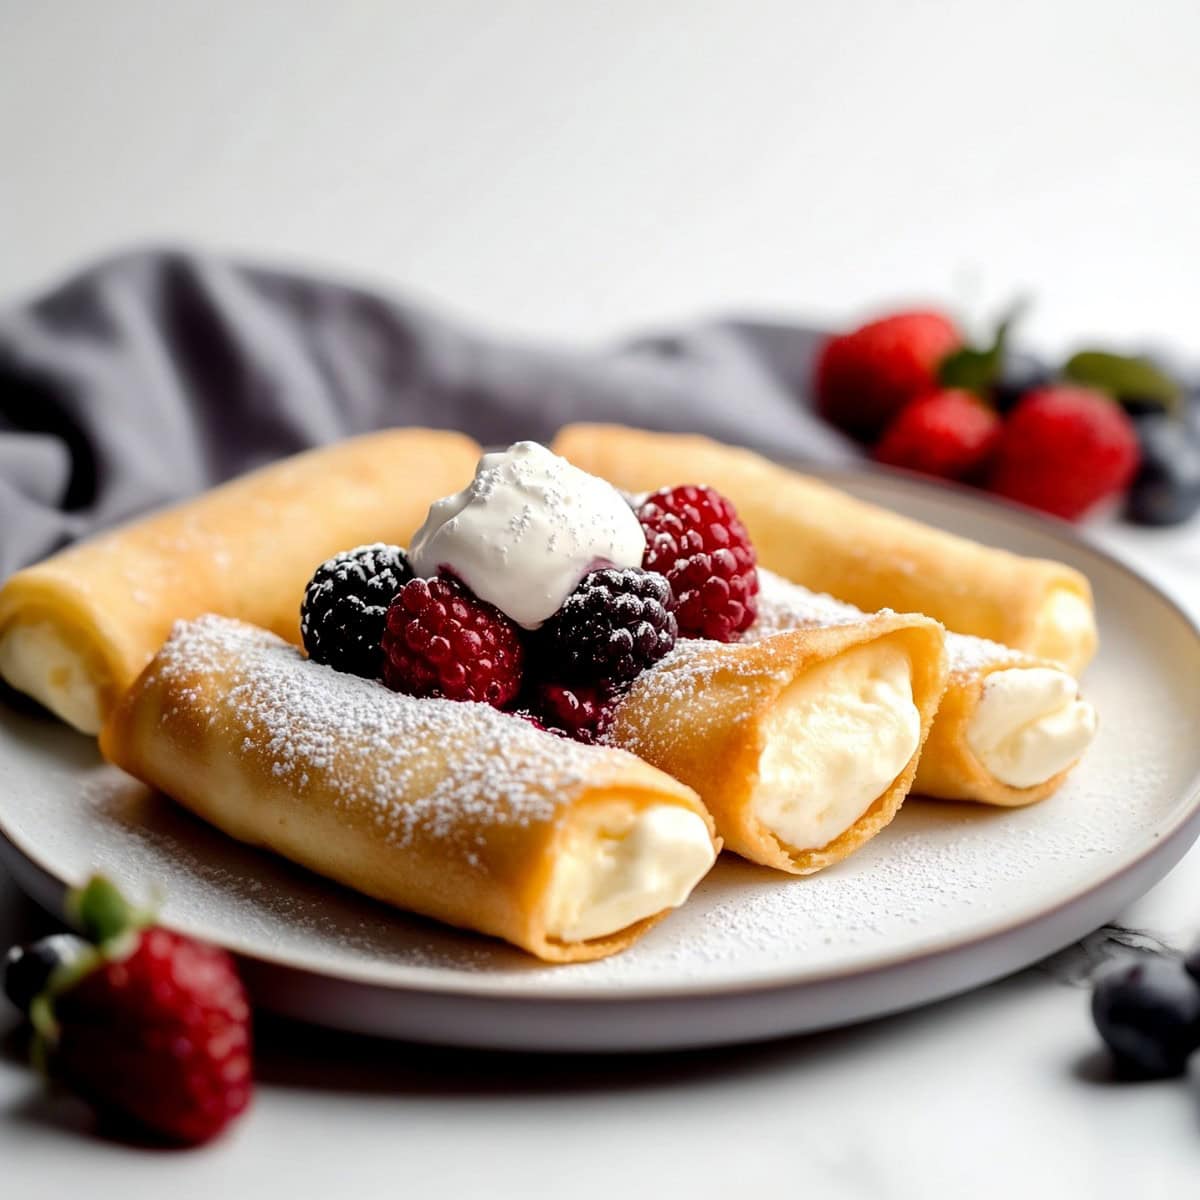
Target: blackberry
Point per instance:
(345, 605)
(614, 625)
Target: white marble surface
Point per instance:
(576, 170)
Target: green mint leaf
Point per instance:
(1128, 378)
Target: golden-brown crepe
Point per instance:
(802, 746)
(1009, 728)
(830, 542)
(453, 810)
(76, 629)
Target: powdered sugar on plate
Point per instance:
(431, 767)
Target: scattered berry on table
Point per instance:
(1192, 963)
(441, 640)
(149, 1026)
(341, 619)
(695, 538)
(578, 711)
(1166, 489)
(1148, 1013)
(614, 625)
(864, 378)
(1063, 449)
(27, 969)
(949, 433)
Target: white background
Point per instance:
(574, 170)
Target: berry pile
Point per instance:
(364, 612)
(151, 1027)
(1065, 441)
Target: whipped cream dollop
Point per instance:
(619, 866)
(35, 659)
(836, 740)
(1029, 725)
(526, 530)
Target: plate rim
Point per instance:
(443, 981)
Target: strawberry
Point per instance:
(949, 433)
(864, 378)
(151, 1027)
(1063, 449)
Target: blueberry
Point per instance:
(1192, 963)
(1019, 373)
(1148, 1013)
(26, 969)
(1167, 487)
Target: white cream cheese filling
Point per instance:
(1066, 628)
(838, 737)
(620, 865)
(1029, 725)
(36, 660)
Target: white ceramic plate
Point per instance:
(946, 898)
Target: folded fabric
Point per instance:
(155, 375)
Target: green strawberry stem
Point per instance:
(976, 368)
(112, 924)
(100, 911)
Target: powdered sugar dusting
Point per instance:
(939, 874)
(783, 606)
(670, 695)
(369, 748)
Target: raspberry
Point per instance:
(614, 625)
(152, 1027)
(341, 619)
(695, 538)
(440, 639)
(580, 712)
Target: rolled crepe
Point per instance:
(867, 556)
(802, 746)
(76, 629)
(453, 810)
(1009, 727)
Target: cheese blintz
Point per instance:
(456, 811)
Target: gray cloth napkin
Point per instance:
(156, 374)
